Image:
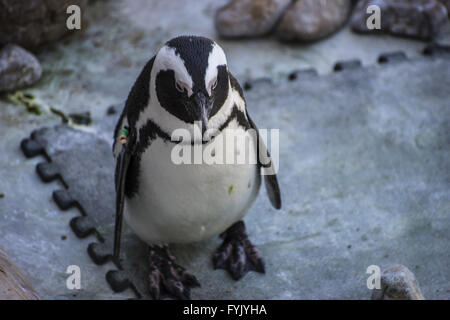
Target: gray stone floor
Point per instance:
(367, 183)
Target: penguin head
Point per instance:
(190, 81)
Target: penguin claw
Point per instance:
(237, 254)
(167, 276)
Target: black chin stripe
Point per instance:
(150, 131)
(239, 116)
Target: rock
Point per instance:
(13, 284)
(309, 20)
(18, 68)
(420, 19)
(398, 283)
(249, 18)
(83, 118)
(33, 22)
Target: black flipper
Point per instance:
(122, 164)
(270, 178)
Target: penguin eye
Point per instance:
(212, 85)
(179, 87)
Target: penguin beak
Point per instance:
(201, 109)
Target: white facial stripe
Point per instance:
(165, 120)
(225, 111)
(233, 99)
(169, 122)
(216, 58)
(165, 59)
(168, 59)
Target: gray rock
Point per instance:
(249, 18)
(398, 283)
(18, 68)
(420, 19)
(309, 20)
(33, 22)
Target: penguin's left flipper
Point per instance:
(270, 177)
(237, 254)
(165, 276)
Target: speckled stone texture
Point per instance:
(422, 19)
(18, 68)
(249, 18)
(398, 283)
(30, 23)
(309, 20)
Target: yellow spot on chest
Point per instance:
(230, 189)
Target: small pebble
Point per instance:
(111, 111)
(398, 283)
(81, 118)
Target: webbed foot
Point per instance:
(167, 276)
(237, 254)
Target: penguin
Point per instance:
(187, 88)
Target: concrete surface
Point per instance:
(364, 179)
(366, 184)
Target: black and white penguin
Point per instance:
(187, 86)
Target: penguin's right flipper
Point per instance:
(270, 177)
(122, 164)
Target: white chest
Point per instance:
(189, 202)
